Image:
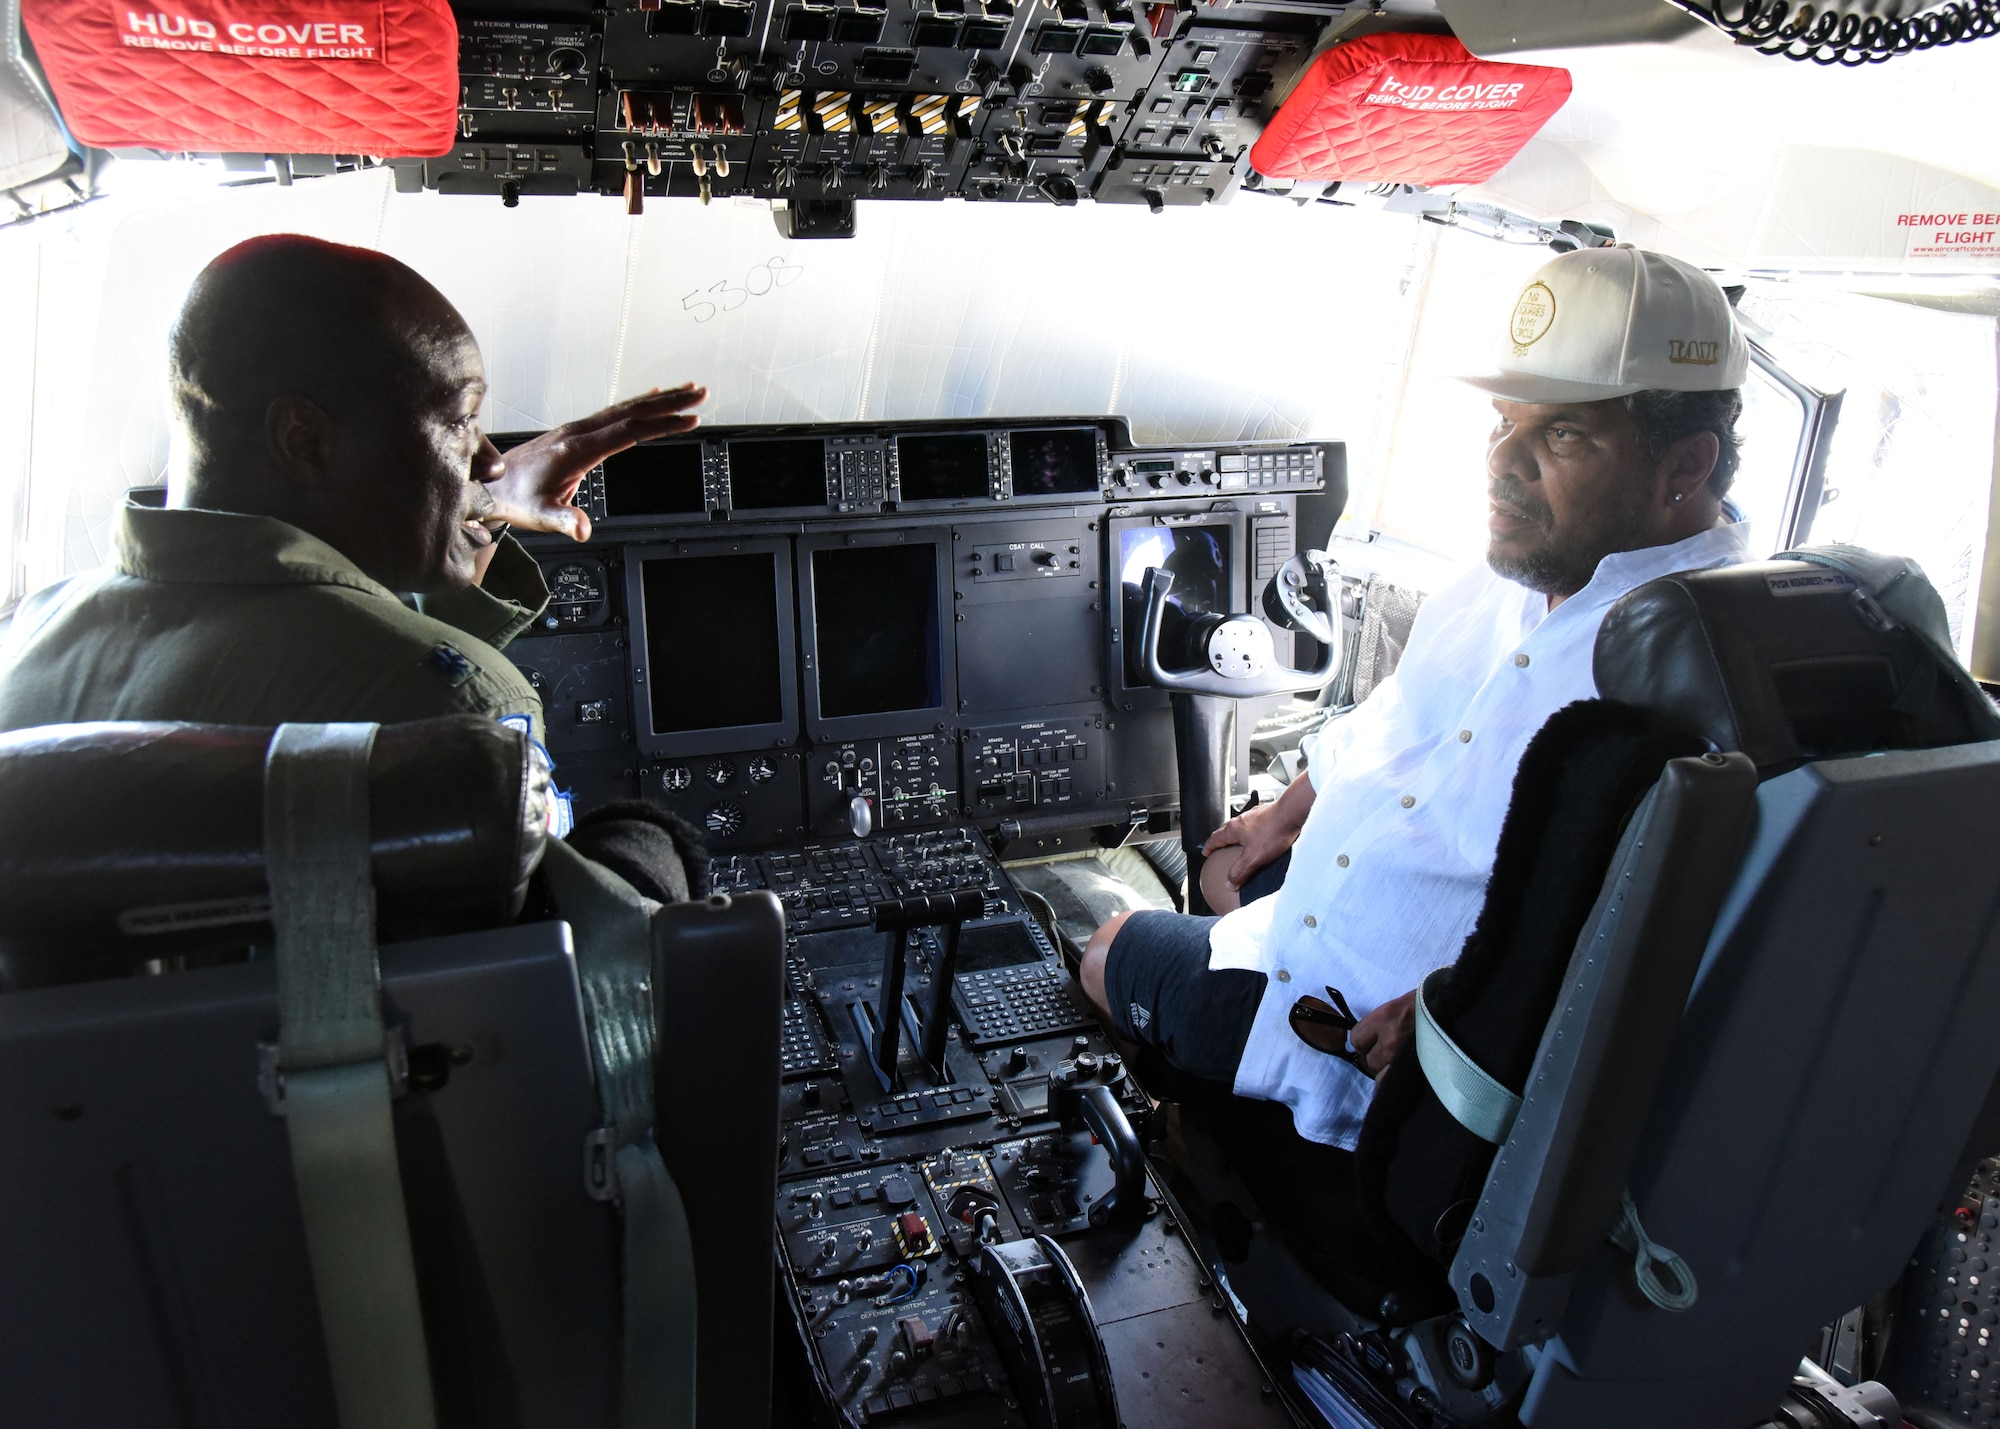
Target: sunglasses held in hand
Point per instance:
(1323, 1025)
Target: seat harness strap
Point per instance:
(614, 954)
(1648, 1257)
(332, 1055)
(1487, 1109)
(1476, 1102)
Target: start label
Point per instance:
(1961, 234)
(271, 30)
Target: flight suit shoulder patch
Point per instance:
(450, 663)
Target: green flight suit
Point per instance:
(222, 618)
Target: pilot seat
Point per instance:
(319, 1112)
(1717, 1053)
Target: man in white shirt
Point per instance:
(1617, 397)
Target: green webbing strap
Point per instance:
(1476, 1102)
(1648, 1256)
(332, 1055)
(614, 954)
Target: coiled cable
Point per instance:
(1830, 36)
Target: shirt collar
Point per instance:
(183, 545)
(1623, 571)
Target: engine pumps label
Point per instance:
(259, 29)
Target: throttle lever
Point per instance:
(1087, 1087)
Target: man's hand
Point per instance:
(542, 475)
(1263, 832)
(1378, 1035)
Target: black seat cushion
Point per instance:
(1419, 1171)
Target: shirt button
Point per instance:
(1311, 922)
(1465, 736)
(1409, 801)
(1522, 661)
(1342, 860)
(1284, 975)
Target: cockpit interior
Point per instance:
(1025, 561)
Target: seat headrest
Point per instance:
(1791, 660)
(129, 842)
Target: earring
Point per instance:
(1678, 495)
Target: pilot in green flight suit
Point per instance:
(330, 458)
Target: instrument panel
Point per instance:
(849, 631)
(1039, 101)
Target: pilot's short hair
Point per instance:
(1665, 417)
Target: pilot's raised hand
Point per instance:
(542, 475)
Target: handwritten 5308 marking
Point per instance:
(726, 297)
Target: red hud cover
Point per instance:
(1410, 109)
(375, 77)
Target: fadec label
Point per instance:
(256, 29)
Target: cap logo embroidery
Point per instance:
(1534, 314)
(1694, 354)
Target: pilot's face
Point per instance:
(1568, 485)
(433, 466)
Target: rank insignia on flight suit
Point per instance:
(449, 662)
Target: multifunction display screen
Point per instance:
(875, 623)
(986, 946)
(1054, 462)
(1199, 559)
(764, 476)
(654, 481)
(946, 467)
(712, 642)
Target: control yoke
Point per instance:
(1238, 660)
(1221, 659)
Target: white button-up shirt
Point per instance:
(1389, 873)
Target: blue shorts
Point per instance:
(1164, 996)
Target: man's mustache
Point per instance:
(1506, 493)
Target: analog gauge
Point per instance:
(576, 592)
(721, 773)
(761, 769)
(677, 778)
(724, 820)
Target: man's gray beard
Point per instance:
(1550, 569)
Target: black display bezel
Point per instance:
(987, 496)
(727, 739)
(659, 518)
(888, 722)
(725, 449)
(1100, 458)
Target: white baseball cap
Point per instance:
(1608, 322)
